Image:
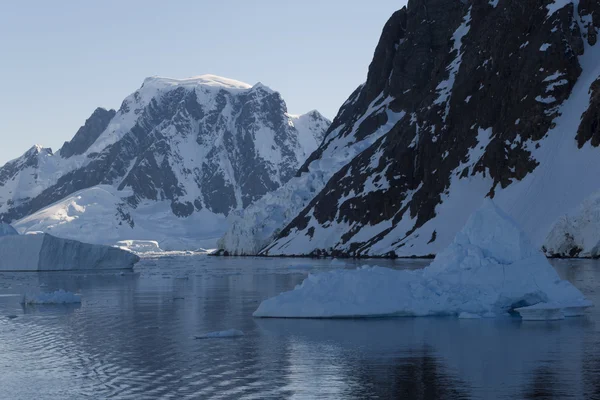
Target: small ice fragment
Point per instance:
(337, 261)
(541, 312)
(230, 333)
(576, 310)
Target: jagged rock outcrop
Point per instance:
(88, 133)
(466, 100)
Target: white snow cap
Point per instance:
(201, 80)
(490, 269)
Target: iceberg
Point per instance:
(490, 269)
(44, 252)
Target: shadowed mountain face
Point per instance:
(467, 99)
(88, 133)
(205, 143)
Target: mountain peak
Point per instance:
(260, 85)
(200, 80)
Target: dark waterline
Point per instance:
(132, 337)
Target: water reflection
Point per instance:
(132, 337)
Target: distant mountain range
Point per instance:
(169, 165)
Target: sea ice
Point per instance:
(58, 297)
(491, 268)
(230, 333)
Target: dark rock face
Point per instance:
(194, 146)
(480, 85)
(88, 133)
(589, 130)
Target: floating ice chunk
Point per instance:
(337, 261)
(58, 297)
(576, 310)
(230, 333)
(49, 253)
(140, 246)
(541, 312)
(491, 268)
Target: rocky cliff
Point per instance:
(463, 100)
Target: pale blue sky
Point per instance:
(59, 60)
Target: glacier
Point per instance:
(490, 269)
(44, 252)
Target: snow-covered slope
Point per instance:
(170, 165)
(43, 252)
(463, 100)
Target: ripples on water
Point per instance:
(132, 338)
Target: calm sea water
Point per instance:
(133, 338)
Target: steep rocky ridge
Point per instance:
(497, 100)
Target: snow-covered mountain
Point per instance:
(169, 165)
(463, 100)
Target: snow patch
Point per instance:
(445, 87)
(557, 5)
